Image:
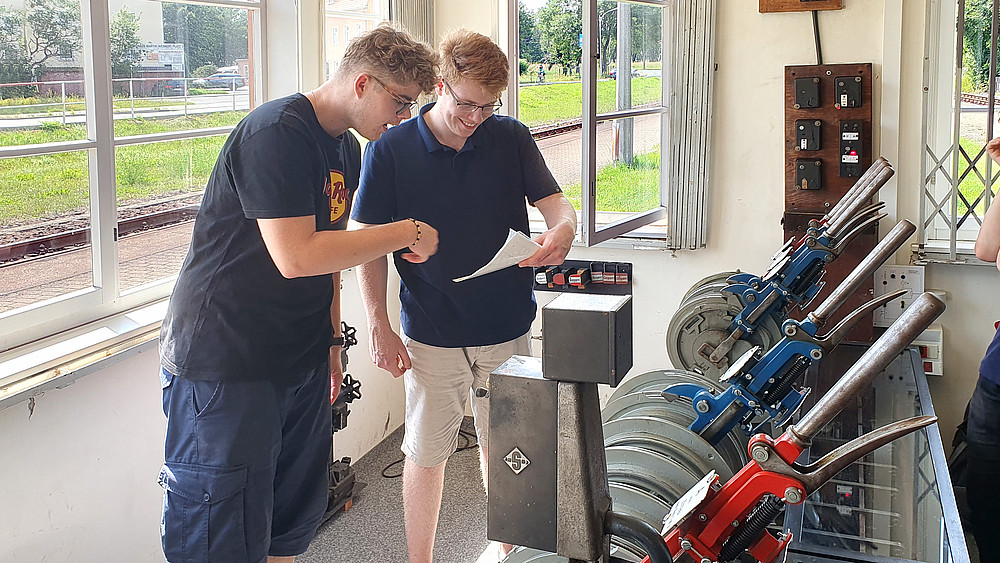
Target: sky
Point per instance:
(533, 5)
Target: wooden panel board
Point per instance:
(833, 185)
(771, 6)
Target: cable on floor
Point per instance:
(470, 442)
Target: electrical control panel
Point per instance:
(807, 134)
(807, 93)
(578, 276)
(848, 92)
(851, 133)
(828, 146)
(807, 174)
(890, 278)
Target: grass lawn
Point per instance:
(45, 186)
(971, 186)
(52, 185)
(554, 103)
(622, 187)
(53, 107)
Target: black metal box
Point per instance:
(587, 338)
(522, 463)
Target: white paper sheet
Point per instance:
(516, 248)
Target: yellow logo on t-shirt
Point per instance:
(338, 195)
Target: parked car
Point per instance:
(229, 80)
(614, 73)
(173, 87)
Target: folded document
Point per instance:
(516, 248)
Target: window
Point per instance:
(606, 128)
(100, 185)
(959, 178)
(362, 14)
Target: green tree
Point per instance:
(530, 45)
(14, 63)
(978, 25)
(559, 25)
(646, 33)
(125, 43)
(52, 29)
(210, 34)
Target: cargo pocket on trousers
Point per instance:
(203, 512)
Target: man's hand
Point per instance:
(336, 373)
(556, 243)
(423, 248)
(387, 350)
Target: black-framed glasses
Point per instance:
(469, 107)
(404, 104)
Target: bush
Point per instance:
(50, 126)
(522, 66)
(204, 71)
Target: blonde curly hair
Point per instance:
(467, 55)
(390, 54)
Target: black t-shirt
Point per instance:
(232, 315)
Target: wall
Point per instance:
(78, 465)
(77, 477)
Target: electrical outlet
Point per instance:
(930, 346)
(888, 279)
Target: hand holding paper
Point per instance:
(517, 247)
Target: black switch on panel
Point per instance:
(848, 89)
(807, 174)
(807, 134)
(850, 148)
(806, 93)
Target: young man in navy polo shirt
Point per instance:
(983, 434)
(250, 346)
(469, 173)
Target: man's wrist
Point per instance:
(337, 341)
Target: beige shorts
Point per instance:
(437, 387)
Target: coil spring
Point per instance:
(799, 285)
(759, 518)
(799, 366)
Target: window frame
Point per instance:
(104, 298)
(592, 233)
(685, 128)
(944, 234)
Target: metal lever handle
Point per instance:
(857, 227)
(862, 215)
(882, 251)
(814, 475)
(831, 339)
(908, 326)
(863, 196)
(857, 188)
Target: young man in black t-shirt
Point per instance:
(250, 346)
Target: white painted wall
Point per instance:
(77, 478)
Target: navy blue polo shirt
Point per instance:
(990, 366)
(472, 197)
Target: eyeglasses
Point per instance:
(404, 104)
(469, 107)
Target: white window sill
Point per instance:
(59, 360)
(938, 252)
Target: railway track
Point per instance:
(69, 236)
(976, 99)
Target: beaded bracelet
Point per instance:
(417, 225)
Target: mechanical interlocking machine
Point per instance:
(679, 466)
